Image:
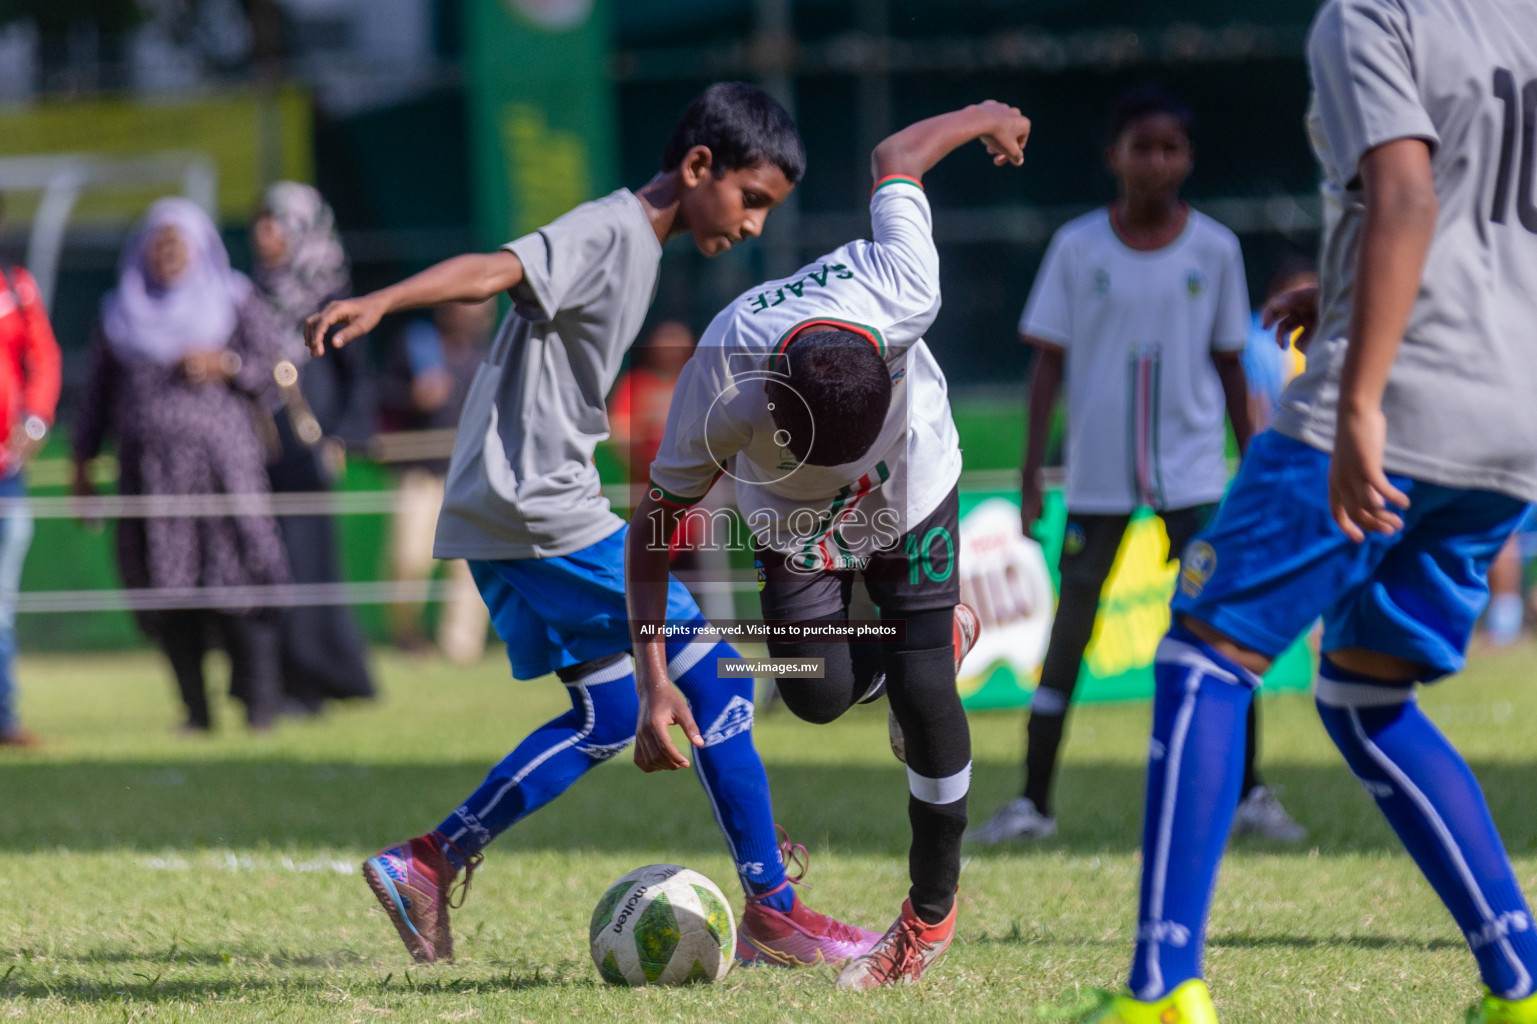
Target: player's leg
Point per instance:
(600, 724)
(412, 879)
(777, 927)
(1089, 546)
(1259, 808)
(1195, 769)
(1251, 582)
(921, 674)
(1429, 795)
(729, 768)
(921, 688)
(1422, 607)
(917, 584)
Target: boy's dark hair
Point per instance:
(1148, 98)
(833, 398)
(742, 126)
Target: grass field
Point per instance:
(151, 877)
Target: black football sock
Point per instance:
(921, 686)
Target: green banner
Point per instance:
(1012, 581)
(541, 111)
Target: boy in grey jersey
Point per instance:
(523, 504)
(1400, 462)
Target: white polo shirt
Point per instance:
(1146, 417)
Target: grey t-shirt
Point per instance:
(1461, 401)
(522, 483)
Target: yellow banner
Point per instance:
(252, 137)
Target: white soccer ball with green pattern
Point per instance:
(662, 925)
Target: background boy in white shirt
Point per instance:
(1142, 307)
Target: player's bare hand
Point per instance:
(1031, 503)
(1361, 498)
(660, 710)
(1005, 139)
(1290, 312)
(349, 319)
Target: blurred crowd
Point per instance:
(198, 380)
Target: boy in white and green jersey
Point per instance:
(1141, 310)
(819, 395)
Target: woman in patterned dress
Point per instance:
(181, 359)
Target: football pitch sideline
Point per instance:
(151, 877)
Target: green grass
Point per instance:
(151, 877)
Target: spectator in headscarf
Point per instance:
(322, 406)
(182, 357)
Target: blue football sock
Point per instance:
(729, 767)
(1194, 773)
(600, 724)
(1434, 803)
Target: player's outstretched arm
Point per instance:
(1400, 222)
(918, 147)
(473, 277)
(646, 552)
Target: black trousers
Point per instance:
(324, 654)
(1089, 547)
(251, 641)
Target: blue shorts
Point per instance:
(556, 612)
(1273, 561)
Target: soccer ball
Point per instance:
(662, 925)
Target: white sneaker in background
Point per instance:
(1261, 814)
(1017, 819)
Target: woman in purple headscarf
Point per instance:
(181, 359)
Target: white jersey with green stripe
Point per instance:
(885, 289)
(1146, 418)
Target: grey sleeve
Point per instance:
(1361, 60)
(560, 259)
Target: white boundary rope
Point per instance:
(286, 595)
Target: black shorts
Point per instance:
(917, 574)
(1090, 540)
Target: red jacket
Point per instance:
(29, 358)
